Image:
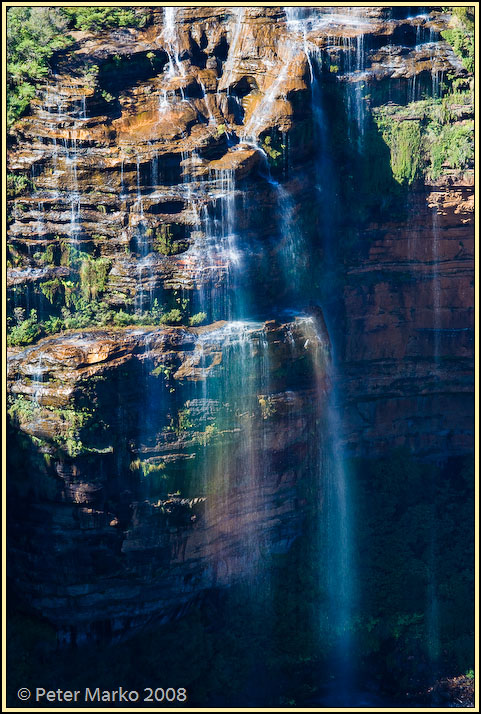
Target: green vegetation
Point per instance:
(80, 302)
(52, 325)
(427, 136)
(168, 239)
(107, 97)
(268, 407)
(98, 18)
(460, 35)
(22, 409)
(71, 421)
(197, 319)
(274, 149)
(146, 467)
(90, 73)
(93, 276)
(451, 145)
(48, 255)
(18, 184)
(433, 134)
(164, 370)
(51, 289)
(184, 421)
(172, 317)
(33, 35)
(25, 331)
(404, 139)
(83, 313)
(209, 433)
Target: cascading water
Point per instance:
(217, 254)
(436, 286)
(336, 526)
(235, 40)
(234, 386)
(432, 606)
(171, 42)
(241, 398)
(246, 363)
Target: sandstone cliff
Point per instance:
(168, 186)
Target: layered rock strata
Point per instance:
(177, 164)
(155, 483)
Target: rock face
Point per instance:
(409, 329)
(154, 490)
(175, 169)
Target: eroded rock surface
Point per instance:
(164, 460)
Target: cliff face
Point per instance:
(409, 340)
(178, 485)
(171, 177)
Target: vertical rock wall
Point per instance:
(172, 179)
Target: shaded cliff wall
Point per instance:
(409, 330)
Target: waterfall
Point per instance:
(163, 102)
(234, 301)
(171, 40)
(235, 386)
(230, 254)
(291, 249)
(432, 596)
(216, 254)
(142, 243)
(436, 285)
(340, 530)
(154, 169)
(140, 204)
(233, 45)
(122, 183)
(38, 379)
(263, 110)
(355, 87)
(71, 161)
(59, 109)
(336, 527)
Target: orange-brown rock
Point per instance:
(187, 161)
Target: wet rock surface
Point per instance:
(133, 508)
(124, 430)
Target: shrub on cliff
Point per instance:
(25, 331)
(102, 18)
(428, 136)
(404, 140)
(406, 151)
(451, 145)
(33, 35)
(460, 35)
(17, 184)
